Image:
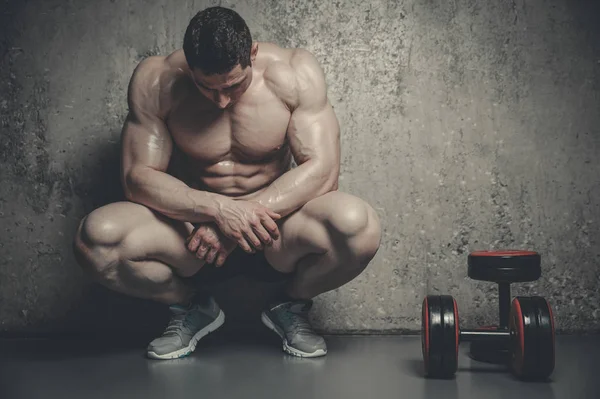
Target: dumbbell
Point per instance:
(526, 327)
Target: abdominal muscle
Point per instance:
(233, 178)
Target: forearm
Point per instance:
(296, 187)
(170, 196)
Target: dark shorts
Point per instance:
(238, 263)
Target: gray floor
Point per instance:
(356, 367)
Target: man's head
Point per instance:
(219, 51)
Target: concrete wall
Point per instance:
(467, 124)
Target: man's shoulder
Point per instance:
(155, 76)
(282, 62)
(289, 70)
(160, 69)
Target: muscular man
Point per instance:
(206, 166)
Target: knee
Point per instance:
(100, 228)
(96, 240)
(357, 221)
(347, 215)
(370, 239)
(351, 216)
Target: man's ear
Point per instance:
(253, 51)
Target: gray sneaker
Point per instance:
(186, 328)
(290, 321)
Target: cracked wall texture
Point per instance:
(468, 125)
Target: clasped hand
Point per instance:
(248, 224)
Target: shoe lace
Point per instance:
(177, 323)
(297, 322)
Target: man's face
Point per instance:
(224, 89)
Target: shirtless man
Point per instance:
(206, 166)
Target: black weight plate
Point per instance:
(425, 333)
(504, 266)
(436, 335)
(538, 334)
(494, 352)
(545, 338)
(450, 326)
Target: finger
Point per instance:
(252, 239)
(244, 245)
(202, 250)
(221, 258)
(210, 256)
(271, 227)
(273, 215)
(193, 243)
(262, 234)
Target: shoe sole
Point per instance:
(286, 347)
(193, 342)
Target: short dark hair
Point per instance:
(216, 40)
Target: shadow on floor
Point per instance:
(103, 315)
(75, 346)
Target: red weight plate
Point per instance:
(456, 328)
(553, 330)
(516, 323)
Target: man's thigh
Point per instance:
(308, 231)
(143, 234)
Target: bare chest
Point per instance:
(249, 132)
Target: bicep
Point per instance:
(314, 130)
(146, 141)
(314, 134)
